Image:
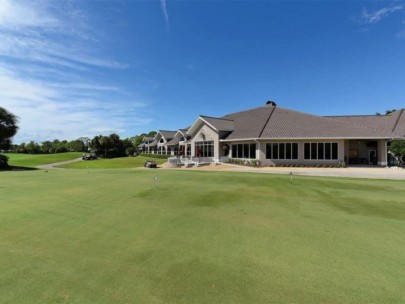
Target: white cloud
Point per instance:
(165, 14)
(45, 115)
(378, 15)
(48, 63)
(14, 14)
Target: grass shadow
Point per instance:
(20, 168)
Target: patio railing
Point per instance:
(191, 161)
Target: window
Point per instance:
(240, 151)
(204, 148)
(314, 153)
(282, 151)
(288, 151)
(334, 151)
(307, 151)
(234, 151)
(321, 151)
(327, 151)
(294, 153)
(244, 151)
(275, 151)
(252, 151)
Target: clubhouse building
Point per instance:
(273, 135)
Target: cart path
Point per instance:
(351, 172)
(53, 165)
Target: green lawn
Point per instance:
(32, 160)
(116, 163)
(113, 236)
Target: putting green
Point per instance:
(117, 236)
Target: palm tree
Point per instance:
(8, 128)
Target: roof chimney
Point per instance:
(271, 103)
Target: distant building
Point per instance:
(276, 136)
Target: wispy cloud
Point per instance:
(400, 34)
(165, 14)
(14, 14)
(377, 15)
(51, 74)
(46, 114)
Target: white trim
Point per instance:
(191, 130)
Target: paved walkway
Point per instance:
(53, 165)
(354, 172)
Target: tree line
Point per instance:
(103, 146)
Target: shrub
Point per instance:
(244, 162)
(3, 162)
(162, 156)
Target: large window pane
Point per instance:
(234, 151)
(281, 151)
(314, 153)
(288, 150)
(294, 150)
(275, 151)
(307, 150)
(320, 150)
(328, 151)
(204, 149)
(240, 151)
(252, 150)
(334, 151)
(245, 151)
(268, 151)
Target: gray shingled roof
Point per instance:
(174, 141)
(272, 122)
(152, 144)
(167, 134)
(148, 139)
(250, 123)
(220, 124)
(394, 122)
(400, 126)
(292, 124)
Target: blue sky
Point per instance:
(83, 68)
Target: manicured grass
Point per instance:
(113, 236)
(117, 163)
(32, 160)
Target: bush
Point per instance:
(162, 156)
(3, 162)
(244, 162)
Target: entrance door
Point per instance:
(354, 156)
(372, 157)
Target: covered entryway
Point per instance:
(366, 152)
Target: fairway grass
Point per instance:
(33, 160)
(115, 236)
(113, 163)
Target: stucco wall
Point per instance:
(210, 134)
